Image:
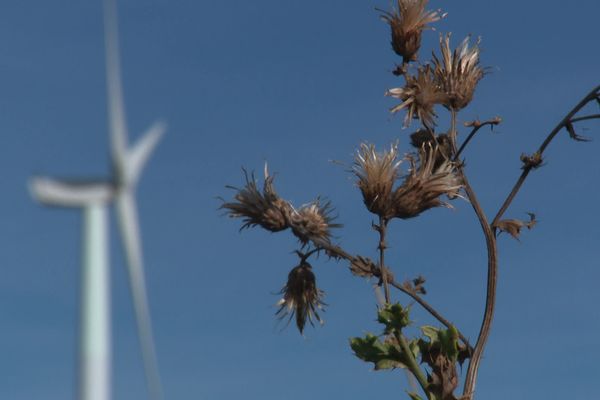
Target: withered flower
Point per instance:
(313, 222)
(425, 183)
(301, 297)
(458, 72)
(419, 95)
(376, 173)
(407, 24)
(266, 209)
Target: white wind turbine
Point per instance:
(94, 196)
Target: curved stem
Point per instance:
(476, 127)
(492, 273)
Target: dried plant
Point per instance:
(419, 96)
(435, 174)
(407, 23)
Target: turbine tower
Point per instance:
(94, 197)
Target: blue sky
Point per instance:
(297, 84)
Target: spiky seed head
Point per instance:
(377, 172)
(265, 209)
(301, 297)
(419, 96)
(425, 184)
(313, 222)
(458, 72)
(407, 23)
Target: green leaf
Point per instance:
(394, 317)
(382, 355)
(449, 343)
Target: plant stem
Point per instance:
(492, 274)
(382, 228)
(412, 364)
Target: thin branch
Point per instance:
(594, 95)
(477, 125)
(341, 253)
(586, 117)
(431, 311)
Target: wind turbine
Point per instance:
(94, 197)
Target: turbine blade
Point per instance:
(139, 154)
(128, 222)
(116, 107)
(67, 194)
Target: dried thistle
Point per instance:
(377, 173)
(458, 72)
(313, 223)
(407, 23)
(419, 95)
(301, 297)
(424, 184)
(266, 209)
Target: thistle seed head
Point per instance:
(313, 223)
(425, 183)
(407, 23)
(458, 72)
(418, 96)
(376, 173)
(265, 209)
(301, 297)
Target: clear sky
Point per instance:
(297, 84)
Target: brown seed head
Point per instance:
(376, 173)
(266, 209)
(301, 297)
(425, 183)
(458, 72)
(419, 95)
(313, 222)
(407, 23)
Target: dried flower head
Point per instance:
(313, 222)
(301, 297)
(458, 72)
(377, 173)
(407, 24)
(419, 95)
(425, 183)
(266, 209)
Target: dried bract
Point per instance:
(313, 223)
(424, 184)
(364, 267)
(513, 226)
(407, 23)
(301, 297)
(266, 209)
(377, 173)
(419, 95)
(458, 72)
(533, 161)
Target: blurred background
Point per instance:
(297, 84)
